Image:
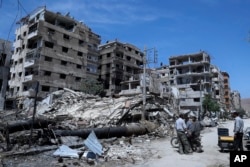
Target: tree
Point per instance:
(210, 105)
(92, 86)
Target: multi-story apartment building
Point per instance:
(227, 91)
(119, 62)
(5, 55)
(191, 74)
(217, 90)
(236, 100)
(53, 50)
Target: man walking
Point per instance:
(181, 128)
(238, 132)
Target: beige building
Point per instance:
(227, 90)
(218, 91)
(5, 55)
(119, 62)
(191, 74)
(53, 49)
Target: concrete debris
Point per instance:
(116, 123)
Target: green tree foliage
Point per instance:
(210, 105)
(92, 86)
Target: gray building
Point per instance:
(5, 55)
(53, 49)
(119, 62)
(191, 74)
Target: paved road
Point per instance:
(165, 155)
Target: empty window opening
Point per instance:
(48, 44)
(78, 66)
(51, 31)
(46, 58)
(65, 36)
(108, 54)
(77, 79)
(45, 88)
(79, 53)
(62, 76)
(47, 73)
(64, 63)
(64, 49)
(20, 74)
(80, 42)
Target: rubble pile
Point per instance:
(66, 117)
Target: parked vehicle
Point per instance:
(194, 142)
(225, 142)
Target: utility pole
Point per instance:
(146, 59)
(200, 111)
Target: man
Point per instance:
(181, 128)
(238, 132)
(194, 129)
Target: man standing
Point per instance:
(181, 128)
(238, 132)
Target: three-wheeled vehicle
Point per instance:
(225, 142)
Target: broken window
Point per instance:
(78, 66)
(46, 58)
(48, 44)
(64, 63)
(45, 88)
(64, 49)
(33, 28)
(65, 36)
(47, 73)
(62, 76)
(128, 58)
(196, 99)
(77, 79)
(24, 33)
(20, 74)
(108, 54)
(100, 57)
(79, 53)
(80, 42)
(51, 31)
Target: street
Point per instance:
(164, 154)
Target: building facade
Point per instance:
(53, 50)
(227, 90)
(236, 100)
(191, 74)
(5, 56)
(119, 62)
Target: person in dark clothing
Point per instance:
(238, 132)
(181, 128)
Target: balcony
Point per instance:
(32, 34)
(29, 63)
(28, 78)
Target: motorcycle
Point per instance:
(194, 142)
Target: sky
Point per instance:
(173, 27)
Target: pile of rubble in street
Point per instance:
(65, 119)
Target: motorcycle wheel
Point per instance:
(174, 142)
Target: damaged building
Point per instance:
(190, 73)
(227, 91)
(53, 50)
(119, 62)
(5, 55)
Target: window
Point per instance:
(108, 55)
(45, 88)
(51, 31)
(77, 79)
(20, 74)
(46, 58)
(24, 33)
(48, 44)
(78, 66)
(80, 42)
(62, 76)
(64, 49)
(20, 61)
(79, 53)
(64, 63)
(47, 73)
(65, 36)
